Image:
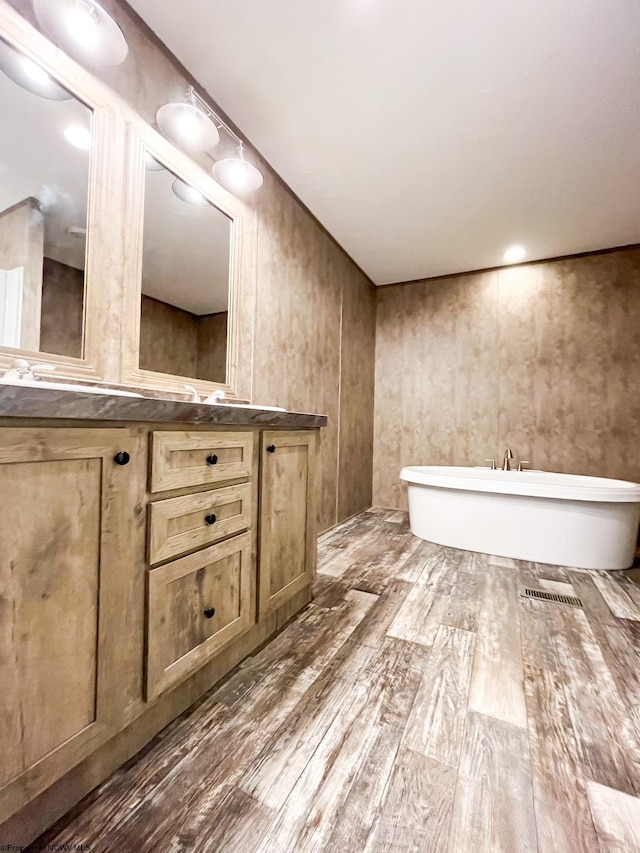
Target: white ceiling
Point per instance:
(428, 136)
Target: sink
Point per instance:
(68, 386)
(250, 406)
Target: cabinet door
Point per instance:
(65, 511)
(196, 606)
(287, 516)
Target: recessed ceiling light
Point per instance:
(78, 136)
(514, 255)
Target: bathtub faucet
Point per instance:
(508, 456)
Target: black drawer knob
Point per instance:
(271, 448)
(210, 612)
(210, 519)
(122, 458)
(212, 459)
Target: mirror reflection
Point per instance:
(45, 137)
(185, 279)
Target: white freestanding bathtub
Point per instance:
(564, 519)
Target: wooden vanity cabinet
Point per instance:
(137, 568)
(198, 604)
(287, 555)
(68, 519)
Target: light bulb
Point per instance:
(78, 136)
(82, 24)
(189, 126)
(34, 72)
(514, 255)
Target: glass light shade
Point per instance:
(236, 175)
(28, 74)
(84, 30)
(151, 164)
(187, 126)
(186, 192)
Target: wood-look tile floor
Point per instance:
(421, 703)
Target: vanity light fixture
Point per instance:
(28, 74)
(188, 125)
(236, 174)
(84, 30)
(78, 136)
(186, 192)
(194, 126)
(514, 255)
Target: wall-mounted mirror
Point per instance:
(184, 311)
(45, 137)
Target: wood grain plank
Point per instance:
(419, 617)
(535, 634)
(619, 601)
(284, 757)
(416, 813)
(497, 683)
(617, 818)
(493, 807)
(436, 723)
(563, 818)
(607, 744)
(463, 607)
(392, 673)
(310, 810)
(361, 808)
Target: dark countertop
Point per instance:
(51, 403)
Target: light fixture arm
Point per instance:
(194, 98)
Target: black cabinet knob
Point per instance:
(210, 519)
(122, 458)
(271, 448)
(212, 459)
(210, 612)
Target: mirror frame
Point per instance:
(143, 139)
(113, 269)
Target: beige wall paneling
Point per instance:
(544, 358)
(62, 309)
(212, 346)
(297, 338)
(436, 378)
(355, 447)
(168, 338)
(569, 349)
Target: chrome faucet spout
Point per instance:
(508, 456)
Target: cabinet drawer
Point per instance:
(182, 459)
(178, 525)
(196, 606)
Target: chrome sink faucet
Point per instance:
(22, 371)
(508, 456)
